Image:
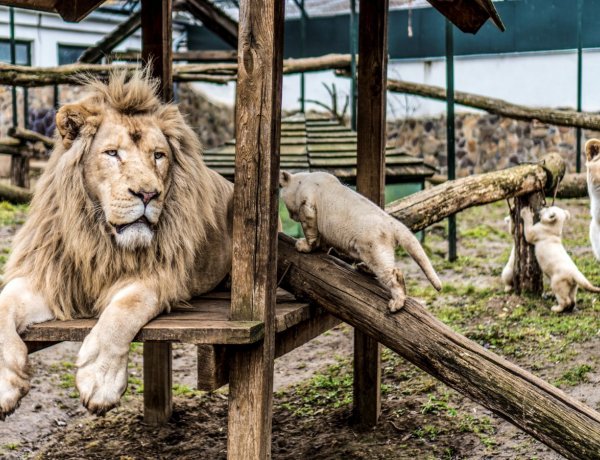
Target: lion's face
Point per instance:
(126, 172)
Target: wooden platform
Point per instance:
(205, 321)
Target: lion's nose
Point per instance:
(145, 196)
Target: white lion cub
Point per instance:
(592, 153)
(332, 214)
(509, 268)
(552, 256)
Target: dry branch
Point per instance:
(543, 411)
(191, 56)
(424, 208)
(585, 120)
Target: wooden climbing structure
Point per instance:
(240, 336)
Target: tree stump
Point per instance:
(527, 276)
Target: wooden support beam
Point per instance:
(19, 171)
(214, 19)
(218, 72)
(112, 40)
(156, 48)
(256, 192)
(15, 195)
(422, 209)
(538, 408)
(370, 181)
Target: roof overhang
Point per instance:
(468, 15)
(72, 11)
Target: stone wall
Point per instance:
(213, 123)
(484, 142)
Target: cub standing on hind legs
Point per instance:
(332, 214)
(592, 153)
(552, 256)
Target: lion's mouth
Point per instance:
(141, 221)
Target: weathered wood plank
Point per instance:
(255, 221)
(538, 408)
(370, 181)
(156, 23)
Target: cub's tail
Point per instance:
(406, 239)
(583, 283)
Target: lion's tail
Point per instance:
(583, 283)
(406, 239)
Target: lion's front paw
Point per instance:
(14, 379)
(396, 303)
(102, 375)
(303, 246)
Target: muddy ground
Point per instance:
(421, 418)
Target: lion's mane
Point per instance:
(64, 248)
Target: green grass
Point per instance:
(574, 376)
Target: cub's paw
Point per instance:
(563, 308)
(14, 378)
(303, 246)
(525, 212)
(102, 375)
(396, 304)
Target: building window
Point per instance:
(22, 48)
(68, 54)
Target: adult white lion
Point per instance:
(126, 221)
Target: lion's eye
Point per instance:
(159, 155)
(111, 153)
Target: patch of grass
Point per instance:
(184, 390)
(12, 214)
(12, 445)
(437, 405)
(574, 376)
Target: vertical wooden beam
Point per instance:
(258, 113)
(156, 49)
(370, 181)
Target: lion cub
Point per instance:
(552, 256)
(332, 214)
(509, 268)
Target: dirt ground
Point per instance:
(421, 418)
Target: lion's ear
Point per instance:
(284, 178)
(592, 149)
(70, 119)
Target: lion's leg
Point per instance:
(102, 361)
(382, 261)
(19, 308)
(308, 220)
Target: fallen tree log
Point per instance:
(425, 208)
(15, 195)
(586, 120)
(573, 186)
(538, 408)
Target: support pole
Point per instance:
(579, 81)
(353, 64)
(450, 133)
(302, 54)
(156, 48)
(255, 204)
(370, 181)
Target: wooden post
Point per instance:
(258, 114)
(370, 181)
(156, 48)
(19, 170)
(528, 276)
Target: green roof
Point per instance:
(322, 144)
